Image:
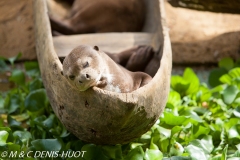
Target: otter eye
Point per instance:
(72, 77)
(96, 48)
(86, 65)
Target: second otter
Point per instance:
(94, 16)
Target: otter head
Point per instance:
(83, 67)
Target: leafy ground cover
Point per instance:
(200, 121)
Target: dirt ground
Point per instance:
(197, 37)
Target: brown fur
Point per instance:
(91, 16)
(139, 58)
(101, 71)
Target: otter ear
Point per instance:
(96, 48)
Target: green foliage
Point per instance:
(186, 84)
(36, 100)
(214, 76)
(226, 63)
(198, 122)
(232, 77)
(47, 144)
(226, 73)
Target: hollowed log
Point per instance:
(100, 116)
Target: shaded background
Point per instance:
(198, 37)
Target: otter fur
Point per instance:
(94, 16)
(87, 66)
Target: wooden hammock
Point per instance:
(99, 116)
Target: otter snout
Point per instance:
(87, 76)
(84, 77)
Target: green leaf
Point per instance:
(224, 154)
(196, 153)
(226, 63)
(163, 131)
(32, 68)
(135, 154)
(187, 84)
(12, 122)
(208, 143)
(235, 73)
(17, 77)
(47, 145)
(190, 113)
(205, 93)
(13, 59)
(153, 146)
(203, 145)
(3, 137)
(174, 98)
(39, 120)
(173, 120)
(91, 151)
(134, 145)
(179, 84)
(192, 78)
(35, 84)
(214, 76)
(14, 103)
(230, 76)
(217, 157)
(36, 100)
(3, 65)
(226, 79)
(231, 122)
(156, 135)
(199, 130)
(234, 131)
(24, 136)
(175, 130)
(152, 154)
(233, 158)
(229, 94)
(178, 158)
(236, 112)
(237, 154)
(164, 144)
(217, 89)
(21, 117)
(113, 152)
(48, 123)
(145, 137)
(10, 136)
(238, 146)
(13, 147)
